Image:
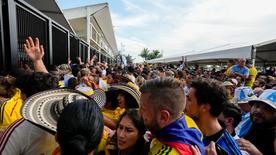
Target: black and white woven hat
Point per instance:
(100, 97)
(44, 108)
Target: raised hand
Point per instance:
(79, 60)
(34, 50)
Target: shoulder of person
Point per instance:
(158, 148)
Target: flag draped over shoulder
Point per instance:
(180, 137)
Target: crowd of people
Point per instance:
(97, 108)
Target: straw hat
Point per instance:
(132, 92)
(44, 108)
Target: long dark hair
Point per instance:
(80, 128)
(138, 122)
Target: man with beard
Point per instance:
(205, 101)
(262, 132)
(162, 105)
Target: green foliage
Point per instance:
(129, 59)
(148, 55)
(144, 53)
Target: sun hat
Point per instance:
(64, 69)
(134, 94)
(97, 94)
(44, 108)
(268, 97)
(100, 97)
(243, 95)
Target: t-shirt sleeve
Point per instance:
(246, 71)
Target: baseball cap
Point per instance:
(243, 95)
(268, 97)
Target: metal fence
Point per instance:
(30, 24)
(1, 40)
(24, 20)
(59, 45)
(83, 51)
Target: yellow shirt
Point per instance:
(103, 141)
(252, 73)
(61, 84)
(10, 110)
(228, 71)
(114, 114)
(157, 148)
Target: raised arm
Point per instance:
(35, 51)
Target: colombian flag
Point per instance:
(180, 137)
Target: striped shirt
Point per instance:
(25, 138)
(225, 143)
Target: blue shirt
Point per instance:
(241, 70)
(225, 143)
(244, 126)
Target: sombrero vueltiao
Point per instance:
(100, 97)
(135, 94)
(44, 108)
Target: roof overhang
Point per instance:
(52, 10)
(100, 12)
(266, 51)
(233, 53)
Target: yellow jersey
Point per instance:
(252, 73)
(10, 110)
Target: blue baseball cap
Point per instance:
(268, 97)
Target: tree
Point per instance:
(154, 54)
(148, 55)
(129, 59)
(144, 53)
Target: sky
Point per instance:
(186, 26)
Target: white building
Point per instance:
(93, 24)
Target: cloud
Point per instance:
(131, 46)
(179, 26)
(131, 7)
(130, 21)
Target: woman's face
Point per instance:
(109, 79)
(121, 101)
(127, 134)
